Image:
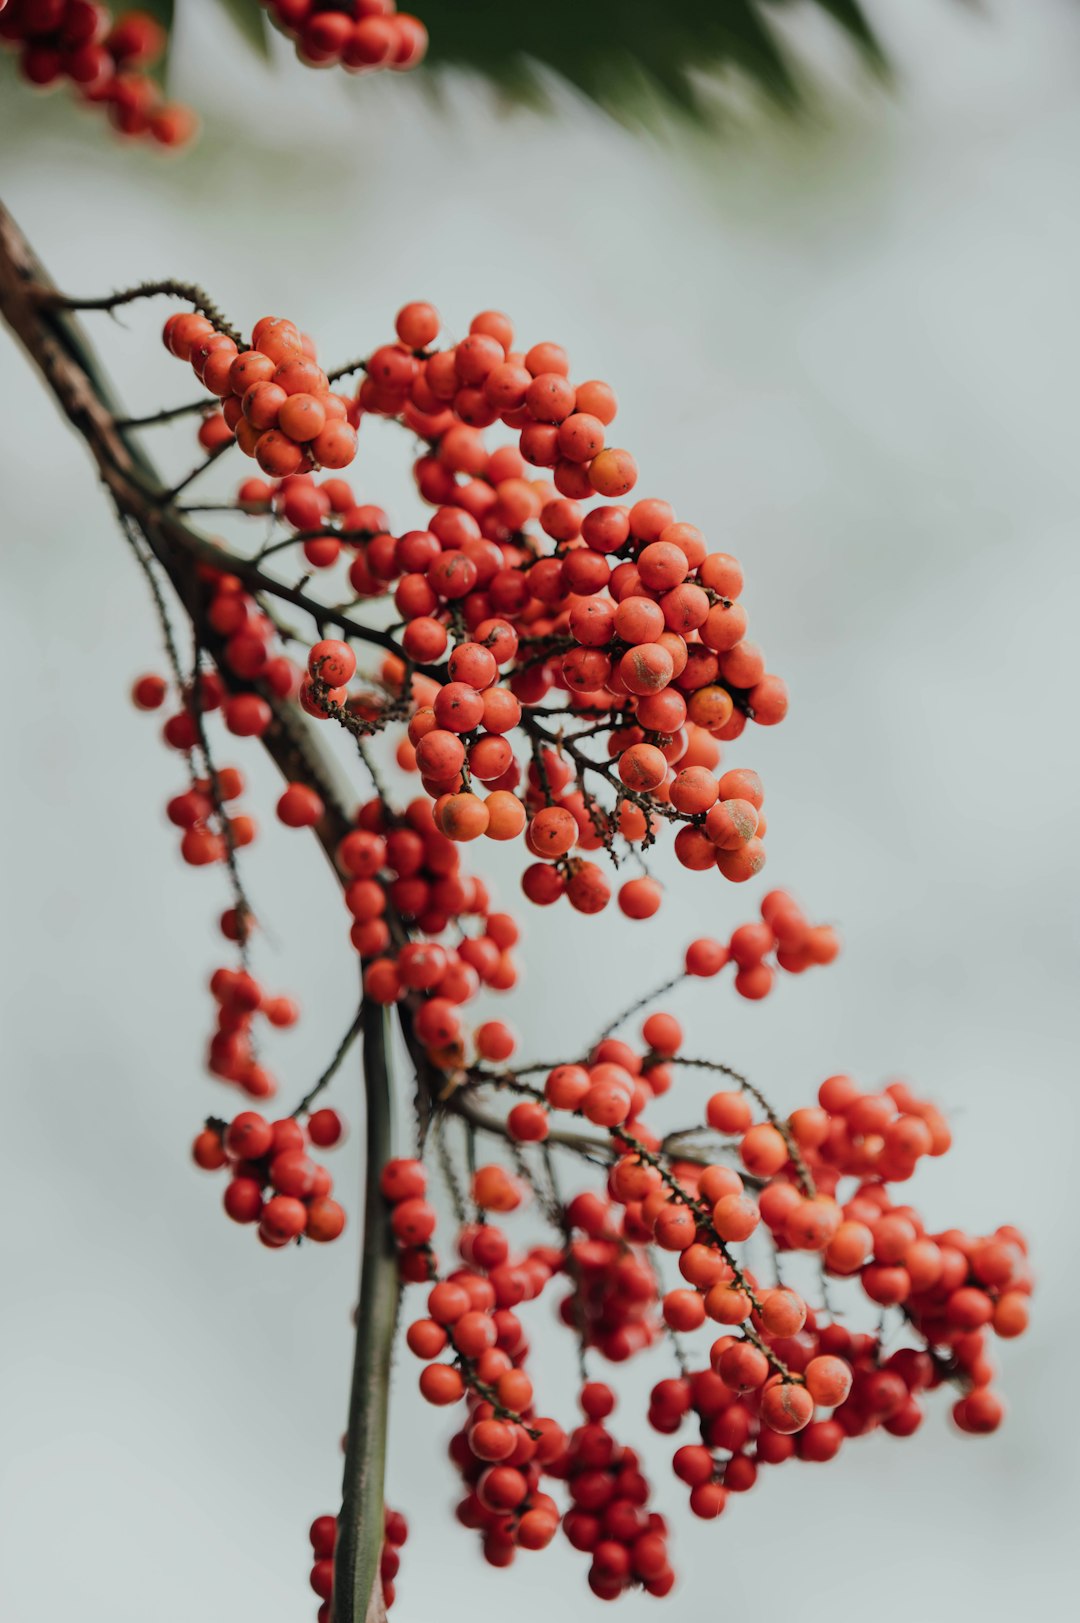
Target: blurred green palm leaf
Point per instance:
(626, 55)
(248, 17)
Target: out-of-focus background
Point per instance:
(846, 348)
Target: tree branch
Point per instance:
(357, 1584)
(62, 356)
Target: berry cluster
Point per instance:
(783, 1380)
(624, 610)
(247, 656)
(276, 399)
(357, 34)
(306, 503)
(323, 1535)
(213, 831)
(272, 1180)
(613, 1303)
(193, 809)
(747, 1418)
(245, 714)
(609, 1519)
(785, 935)
(404, 865)
(503, 1447)
(103, 60)
(500, 1462)
(403, 1184)
(566, 672)
(516, 595)
(239, 998)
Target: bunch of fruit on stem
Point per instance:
(662, 1249)
(565, 668)
(103, 60)
(358, 35)
(521, 598)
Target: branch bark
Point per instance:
(357, 1585)
(61, 354)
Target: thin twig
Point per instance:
(167, 415)
(190, 292)
(330, 1072)
(208, 460)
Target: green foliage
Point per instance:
(162, 11)
(251, 20)
(627, 55)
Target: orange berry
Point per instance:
(613, 473)
(763, 1150)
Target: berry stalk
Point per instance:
(61, 354)
(357, 1585)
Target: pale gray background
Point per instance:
(849, 351)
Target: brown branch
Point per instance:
(189, 292)
(57, 349)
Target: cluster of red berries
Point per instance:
(783, 1381)
(193, 808)
(323, 1535)
(515, 590)
(272, 1180)
(449, 397)
(239, 998)
(785, 935)
(276, 399)
(448, 977)
(405, 864)
(503, 1447)
(657, 637)
(951, 1287)
(318, 506)
(622, 610)
(612, 1305)
(868, 1135)
(403, 1184)
(212, 829)
(359, 35)
(609, 1517)
(500, 1462)
(248, 654)
(424, 886)
(103, 60)
(746, 1419)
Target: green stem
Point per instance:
(357, 1586)
(56, 345)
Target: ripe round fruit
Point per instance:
(786, 1407)
(299, 806)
